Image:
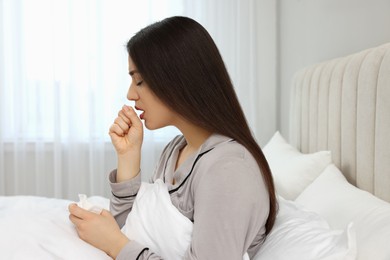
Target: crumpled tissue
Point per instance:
(87, 205)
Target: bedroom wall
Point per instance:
(313, 31)
(266, 62)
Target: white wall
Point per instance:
(312, 31)
(266, 61)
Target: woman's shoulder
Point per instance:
(230, 168)
(229, 159)
(230, 152)
(177, 140)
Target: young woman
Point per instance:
(215, 172)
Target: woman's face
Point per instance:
(154, 112)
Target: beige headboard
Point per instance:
(343, 105)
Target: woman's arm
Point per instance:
(126, 135)
(123, 196)
(230, 210)
(101, 230)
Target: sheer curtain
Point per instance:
(63, 77)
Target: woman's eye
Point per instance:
(139, 83)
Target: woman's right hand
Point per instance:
(126, 135)
(127, 131)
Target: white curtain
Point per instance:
(63, 77)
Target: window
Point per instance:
(65, 64)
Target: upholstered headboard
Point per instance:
(343, 105)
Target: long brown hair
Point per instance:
(181, 64)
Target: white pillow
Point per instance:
(339, 202)
(303, 235)
(292, 170)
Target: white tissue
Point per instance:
(86, 204)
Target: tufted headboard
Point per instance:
(343, 105)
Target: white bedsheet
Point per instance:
(39, 228)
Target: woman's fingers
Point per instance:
(127, 117)
(130, 113)
(122, 115)
(127, 130)
(122, 124)
(117, 130)
(78, 212)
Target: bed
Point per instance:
(332, 175)
(337, 161)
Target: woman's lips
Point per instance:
(141, 116)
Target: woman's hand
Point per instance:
(127, 131)
(100, 231)
(127, 135)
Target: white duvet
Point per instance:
(39, 228)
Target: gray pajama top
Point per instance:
(219, 188)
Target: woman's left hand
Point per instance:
(101, 231)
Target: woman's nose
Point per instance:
(132, 93)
